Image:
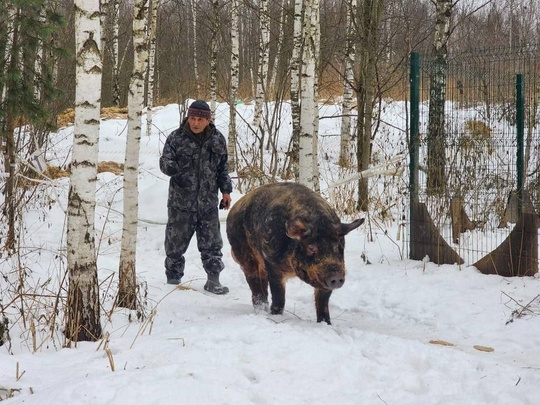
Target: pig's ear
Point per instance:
(296, 229)
(344, 229)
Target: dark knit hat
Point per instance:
(199, 108)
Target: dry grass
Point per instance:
(55, 172)
(112, 167)
(477, 136)
(67, 117)
(478, 129)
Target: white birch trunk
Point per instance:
(151, 64)
(316, 29)
(235, 58)
(307, 152)
(213, 57)
(83, 310)
(9, 44)
(262, 71)
(127, 290)
(38, 63)
(193, 5)
(348, 83)
(295, 87)
(115, 52)
(8, 143)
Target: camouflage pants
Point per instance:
(181, 226)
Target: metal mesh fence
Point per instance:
(481, 146)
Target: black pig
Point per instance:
(282, 230)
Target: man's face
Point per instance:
(197, 124)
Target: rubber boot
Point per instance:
(214, 286)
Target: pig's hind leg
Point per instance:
(253, 267)
(277, 289)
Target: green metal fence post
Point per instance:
(414, 140)
(520, 123)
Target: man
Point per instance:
(195, 157)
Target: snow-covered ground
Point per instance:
(403, 332)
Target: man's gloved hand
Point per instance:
(225, 202)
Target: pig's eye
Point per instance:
(312, 250)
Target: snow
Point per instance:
(403, 332)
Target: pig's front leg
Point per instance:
(321, 305)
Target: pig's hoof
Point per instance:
(261, 307)
(274, 310)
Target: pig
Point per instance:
(282, 230)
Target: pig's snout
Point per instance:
(335, 280)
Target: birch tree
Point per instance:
(262, 71)
(214, 56)
(294, 149)
(193, 42)
(308, 106)
(82, 309)
(437, 96)
(151, 65)
(38, 63)
(316, 23)
(115, 52)
(348, 86)
(127, 290)
(235, 58)
(7, 116)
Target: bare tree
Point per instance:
(369, 20)
(294, 149)
(308, 105)
(8, 124)
(104, 9)
(193, 5)
(231, 144)
(214, 56)
(38, 63)
(82, 309)
(115, 52)
(151, 65)
(348, 86)
(280, 45)
(262, 70)
(127, 289)
(436, 178)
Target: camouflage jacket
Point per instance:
(198, 166)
